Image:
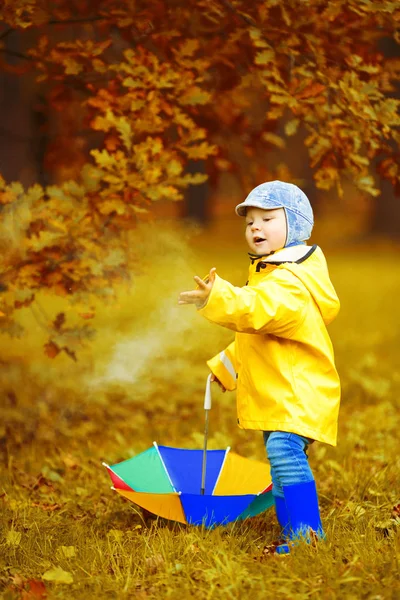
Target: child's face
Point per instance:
(265, 230)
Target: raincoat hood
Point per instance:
(308, 264)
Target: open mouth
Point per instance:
(259, 240)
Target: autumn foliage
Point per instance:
(141, 88)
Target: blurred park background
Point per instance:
(128, 133)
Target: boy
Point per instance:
(281, 361)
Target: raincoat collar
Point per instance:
(292, 254)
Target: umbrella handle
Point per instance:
(207, 406)
(207, 396)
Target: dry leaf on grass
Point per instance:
(58, 575)
(154, 562)
(36, 590)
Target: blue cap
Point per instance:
(278, 194)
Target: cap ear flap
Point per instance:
(287, 227)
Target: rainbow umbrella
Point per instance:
(168, 482)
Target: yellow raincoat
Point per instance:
(281, 361)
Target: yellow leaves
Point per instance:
(99, 65)
(366, 183)
(195, 95)
(318, 147)
(7, 197)
(121, 124)
(189, 47)
(29, 275)
(72, 67)
(125, 130)
(292, 126)
(274, 139)
(152, 174)
(164, 192)
(388, 112)
(113, 205)
(13, 538)
(257, 38)
(201, 152)
(91, 177)
(44, 239)
(66, 552)
(137, 105)
(326, 177)
(115, 258)
(58, 575)
(101, 123)
(265, 57)
(130, 82)
(103, 158)
(174, 168)
(195, 178)
(151, 147)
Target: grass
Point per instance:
(65, 534)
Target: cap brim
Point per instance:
(241, 208)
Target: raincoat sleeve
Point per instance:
(224, 367)
(277, 305)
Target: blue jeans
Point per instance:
(287, 455)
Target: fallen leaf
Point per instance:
(154, 562)
(396, 512)
(65, 552)
(13, 538)
(17, 580)
(69, 461)
(58, 575)
(36, 590)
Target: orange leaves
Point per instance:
(189, 47)
(312, 90)
(67, 339)
(88, 315)
(27, 589)
(51, 349)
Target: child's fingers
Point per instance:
(186, 298)
(192, 297)
(200, 282)
(211, 277)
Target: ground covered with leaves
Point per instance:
(66, 534)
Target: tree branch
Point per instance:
(17, 54)
(71, 21)
(6, 33)
(244, 18)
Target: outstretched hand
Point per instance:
(200, 295)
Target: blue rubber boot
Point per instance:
(282, 515)
(301, 502)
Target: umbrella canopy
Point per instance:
(166, 481)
